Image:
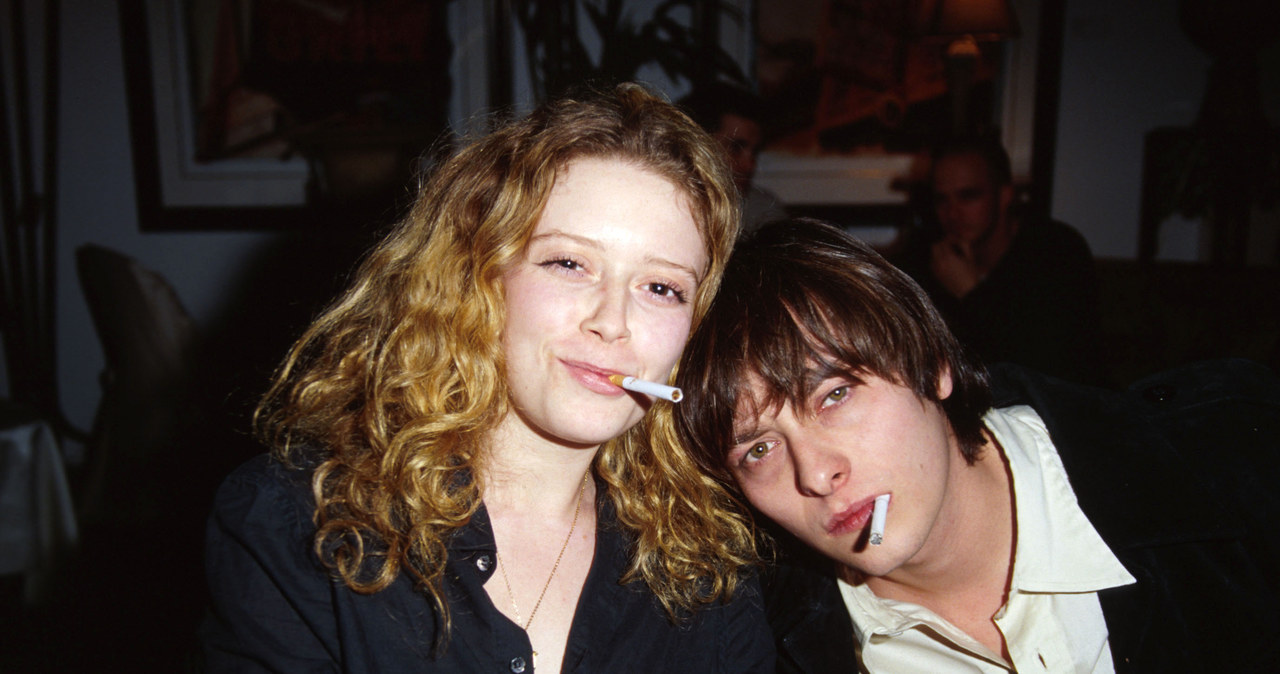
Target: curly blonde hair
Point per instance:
(398, 382)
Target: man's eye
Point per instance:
(835, 396)
(757, 451)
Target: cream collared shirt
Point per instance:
(1052, 621)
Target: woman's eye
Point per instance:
(562, 263)
(668, 291)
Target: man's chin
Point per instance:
(960, 234)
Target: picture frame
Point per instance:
(870, 189)
(182, 185)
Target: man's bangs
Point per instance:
(803, 350)
(773, 353)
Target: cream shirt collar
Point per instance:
(1058, 550)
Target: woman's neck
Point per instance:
(529, 472)
(539, 497)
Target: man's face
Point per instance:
(817, 471)
(740, 137)
(967, 203)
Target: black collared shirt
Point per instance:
(275, 608)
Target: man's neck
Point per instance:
(989, 250)
(962, 573)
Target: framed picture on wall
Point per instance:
(857, 92)
(253, 114)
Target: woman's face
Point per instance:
(606, 286)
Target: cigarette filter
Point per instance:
(647, 387)
(877, 519)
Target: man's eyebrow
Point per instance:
(745, 434)
(819, 375)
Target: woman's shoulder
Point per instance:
(267, 496)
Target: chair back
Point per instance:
(148, 341)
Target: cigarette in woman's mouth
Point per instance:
(647, 387)
(877, 519)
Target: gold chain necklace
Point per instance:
(577, 508)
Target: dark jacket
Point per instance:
(276, 609)
(1038, 307)
(1181, 477)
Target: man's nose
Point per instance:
(820, 467)
(946, 209)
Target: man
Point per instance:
(1053, 527)
(1015, 290)
(732, 115)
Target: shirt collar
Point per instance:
(873, 615)
(1058, 549)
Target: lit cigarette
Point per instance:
(877, 519)
(647, 387)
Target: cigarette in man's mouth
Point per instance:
(647, 387)
(877, 519)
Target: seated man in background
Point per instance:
(1033, 525)
(1012, 289)
(733, 115)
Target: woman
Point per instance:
(456, 483)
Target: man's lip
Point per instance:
(851, 519)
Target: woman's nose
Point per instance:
(608, 316)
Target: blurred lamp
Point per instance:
(964, 23)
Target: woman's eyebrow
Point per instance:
(557, 234)
(672, 264)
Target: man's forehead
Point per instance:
(757, 401)
(965, 168)
(735, 125)
(747, 410)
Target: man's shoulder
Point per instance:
(1231, 382)
(1054, 237)
(1239, 394)
(1192, 441)
(1177, 473)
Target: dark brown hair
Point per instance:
(802, 301)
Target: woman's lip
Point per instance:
(851, 519)
(593, 378)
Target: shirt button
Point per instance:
(517, 665)
(483, 562)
